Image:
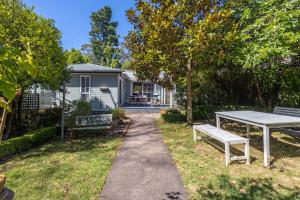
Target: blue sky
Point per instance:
(72, 17)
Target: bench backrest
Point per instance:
(94, 120)
(294, 112)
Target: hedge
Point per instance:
(173, 116)
(22, 143)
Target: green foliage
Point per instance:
(80, 108)
(30, 48)
(25, 142)
(75, 57)
(52, 116)
(13, 64)
(173, 116)
(239, 52)
(104, 39)
(179, 38)
(118, 113)
(269, 45)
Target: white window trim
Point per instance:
(89, 93)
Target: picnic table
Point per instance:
(266, 121)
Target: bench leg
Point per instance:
(247, 152)
(227, 153)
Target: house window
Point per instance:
(85, 87)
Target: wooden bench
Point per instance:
(293, 112)
(92, 122)
(225, 137)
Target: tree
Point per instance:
(87, 51)
(12, 64)
(30, 52)
(75, 57)
(22, 29)
(104, 39)
(178, 37)
(269, 44)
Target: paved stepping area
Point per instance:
(143, 168)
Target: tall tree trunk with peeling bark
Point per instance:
(189, 93)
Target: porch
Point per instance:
(129, 108)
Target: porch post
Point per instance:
(171, 98)
(174, 95)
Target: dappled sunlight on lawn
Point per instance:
(205, 176)
(62, 170)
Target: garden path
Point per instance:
(143, 168)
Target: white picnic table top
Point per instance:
(261, 117)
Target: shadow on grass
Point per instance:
(282, 145)
(82, 143)
(246, 189)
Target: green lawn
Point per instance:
(61, 170)
(205, 175)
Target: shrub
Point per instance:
(80, 108)
(118, 113)
(52, 116)
(22, 143)
(173, 116)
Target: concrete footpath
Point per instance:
(143, 168)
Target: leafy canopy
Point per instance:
(30, 50)
(23, 30)
(75, 57)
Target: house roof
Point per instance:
(130, 75)
(92, 68)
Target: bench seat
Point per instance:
(294, 112)
(225, 137)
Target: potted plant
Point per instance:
(117, 115)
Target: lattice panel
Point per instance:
(30, 102)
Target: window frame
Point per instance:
(86, 93)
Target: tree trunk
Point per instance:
(19, 108)
(259, 94)
(10, 117)
(189, 93)
(2, 123)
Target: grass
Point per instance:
(62, 170)
(205, 176)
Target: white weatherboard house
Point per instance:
(108, 88)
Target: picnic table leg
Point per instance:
(266, 137)
(248, 130)
(227, 153)
(247, 152)
(218, 121)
